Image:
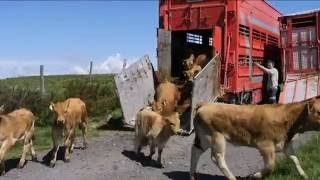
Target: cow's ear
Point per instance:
(51, 106)
(310, 105)
(66, 106)
(192, 56)
(2, 108)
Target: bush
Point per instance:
(99, 95)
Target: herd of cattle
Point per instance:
(270, 128)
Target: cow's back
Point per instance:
(16, 123)
(76, 110)
(146, 119)
(244, 123)
(169, 93)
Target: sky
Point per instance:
(65, 36)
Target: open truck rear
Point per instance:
(233, 34)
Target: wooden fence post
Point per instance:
(90, 71)
(42, 89)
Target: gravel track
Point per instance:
(110, 156)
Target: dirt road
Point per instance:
(110, 157)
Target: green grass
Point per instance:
(310, 161)
(99, 95)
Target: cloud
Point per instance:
(16, 68)
(113, 64)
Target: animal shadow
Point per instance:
(49, 156)
(13, 163)
(114, 124)
(142, 159)
(177, 175)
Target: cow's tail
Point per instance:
(85, 117)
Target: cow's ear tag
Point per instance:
(51, 106)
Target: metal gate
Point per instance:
(135, 87)
(206, 85)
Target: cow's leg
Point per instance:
(72, 139)
(137, 145)
(290, 154)
(26, 148)
(267, 150)
(218, 152)
(152, 149)
(160, 149)
(68, 144)
(4, 148)
(57, 136)
(198, 148)
(84, 129)
(33, 152)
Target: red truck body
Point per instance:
(242, 32)
(300, 54)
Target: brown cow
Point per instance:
(154, 130)
(191, 73)
(265, 127)
(188, 63)
(166, 98)
(201, 60)
(17, 126)
(69, 114)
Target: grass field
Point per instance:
(309, 159)
(99, 95)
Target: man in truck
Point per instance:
(272, 83)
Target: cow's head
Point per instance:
(158, 106)
(174, 121)
(188, 63)
(313, 107)
(60, 110)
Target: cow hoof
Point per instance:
(2, 173)
(67, 160)
(85, 146)
(52, 164)
(20, 165)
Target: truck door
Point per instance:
(164, 53)
(206, 88)
(135, 87)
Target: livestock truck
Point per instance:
(233, 34)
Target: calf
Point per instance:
(166, 98)
(69, 114)
(17, 126)
(265, 127)
(201, 60)
(191, 73)
(188, 63)
(154, 130)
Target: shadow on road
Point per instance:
(48, 157)
(115, 124)
(142, 159)
(11, 164)
(177, 175)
